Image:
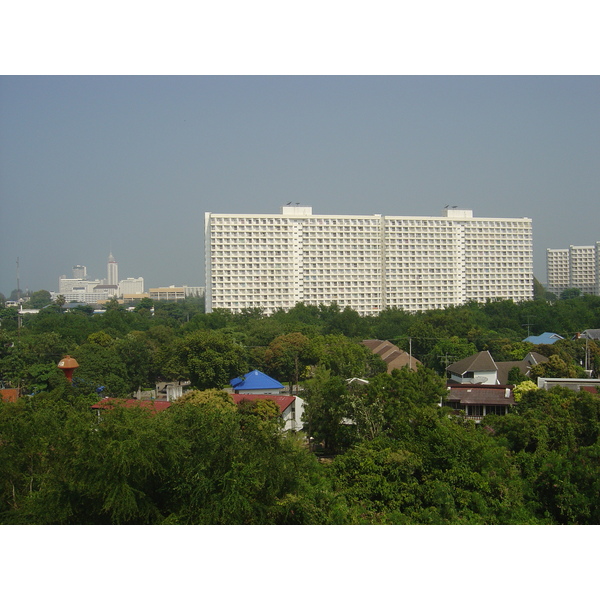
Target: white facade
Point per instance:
(112, 271)
(573, 267)
(193, 290)
(167, 293)
(76, 286)
(557, 269)
(131, 285)
(582, 268)
(597, 292)
(365, 262)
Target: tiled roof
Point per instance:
(390, 354)
(282, 401)
(153, 405)
(535, 358)
(255, 380)
(591, 334)
(589, 388)
(9, 394)
(480, 394)
(482, 361)
(504, 368)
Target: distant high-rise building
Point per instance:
(367, 263)
(79, 272)
(131, 285)
(557, 269)
(573, 267)
(113, 271)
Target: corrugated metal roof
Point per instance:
(545, 338)
(255, 380)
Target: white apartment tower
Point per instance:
(597, 292)
(573, 267)
(113, 271)
(557, 269)
(582, 268)
(365, 262)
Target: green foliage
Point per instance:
(392, 454)
(570, 293)
(288, 357)
(39, 299)
(207, 358)
(446, 352)
(343, 357)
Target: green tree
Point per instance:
(39, 299)
(326, 411)
(207, 358)
(60, 302)
(289, 355)
(446, 352)
(570, 293)
(346, 358)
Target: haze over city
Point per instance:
(129, 165)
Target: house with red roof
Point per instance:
(290, 407)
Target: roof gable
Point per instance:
(394, 357)
(591, 334)
(545, 338)
(482, 361)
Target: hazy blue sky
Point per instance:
(130, 164)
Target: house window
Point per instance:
(475, 411)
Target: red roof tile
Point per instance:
(282, 401)
(9, 395)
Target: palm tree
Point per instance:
(60, 301)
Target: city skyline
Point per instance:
(132, 163)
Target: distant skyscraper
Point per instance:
(79, 272)
(113, 271)
(573, 267)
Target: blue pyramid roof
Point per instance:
(255, 380)
(546, 338)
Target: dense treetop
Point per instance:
(381, 452)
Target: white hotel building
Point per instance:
(365, 262)
(573, 267)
